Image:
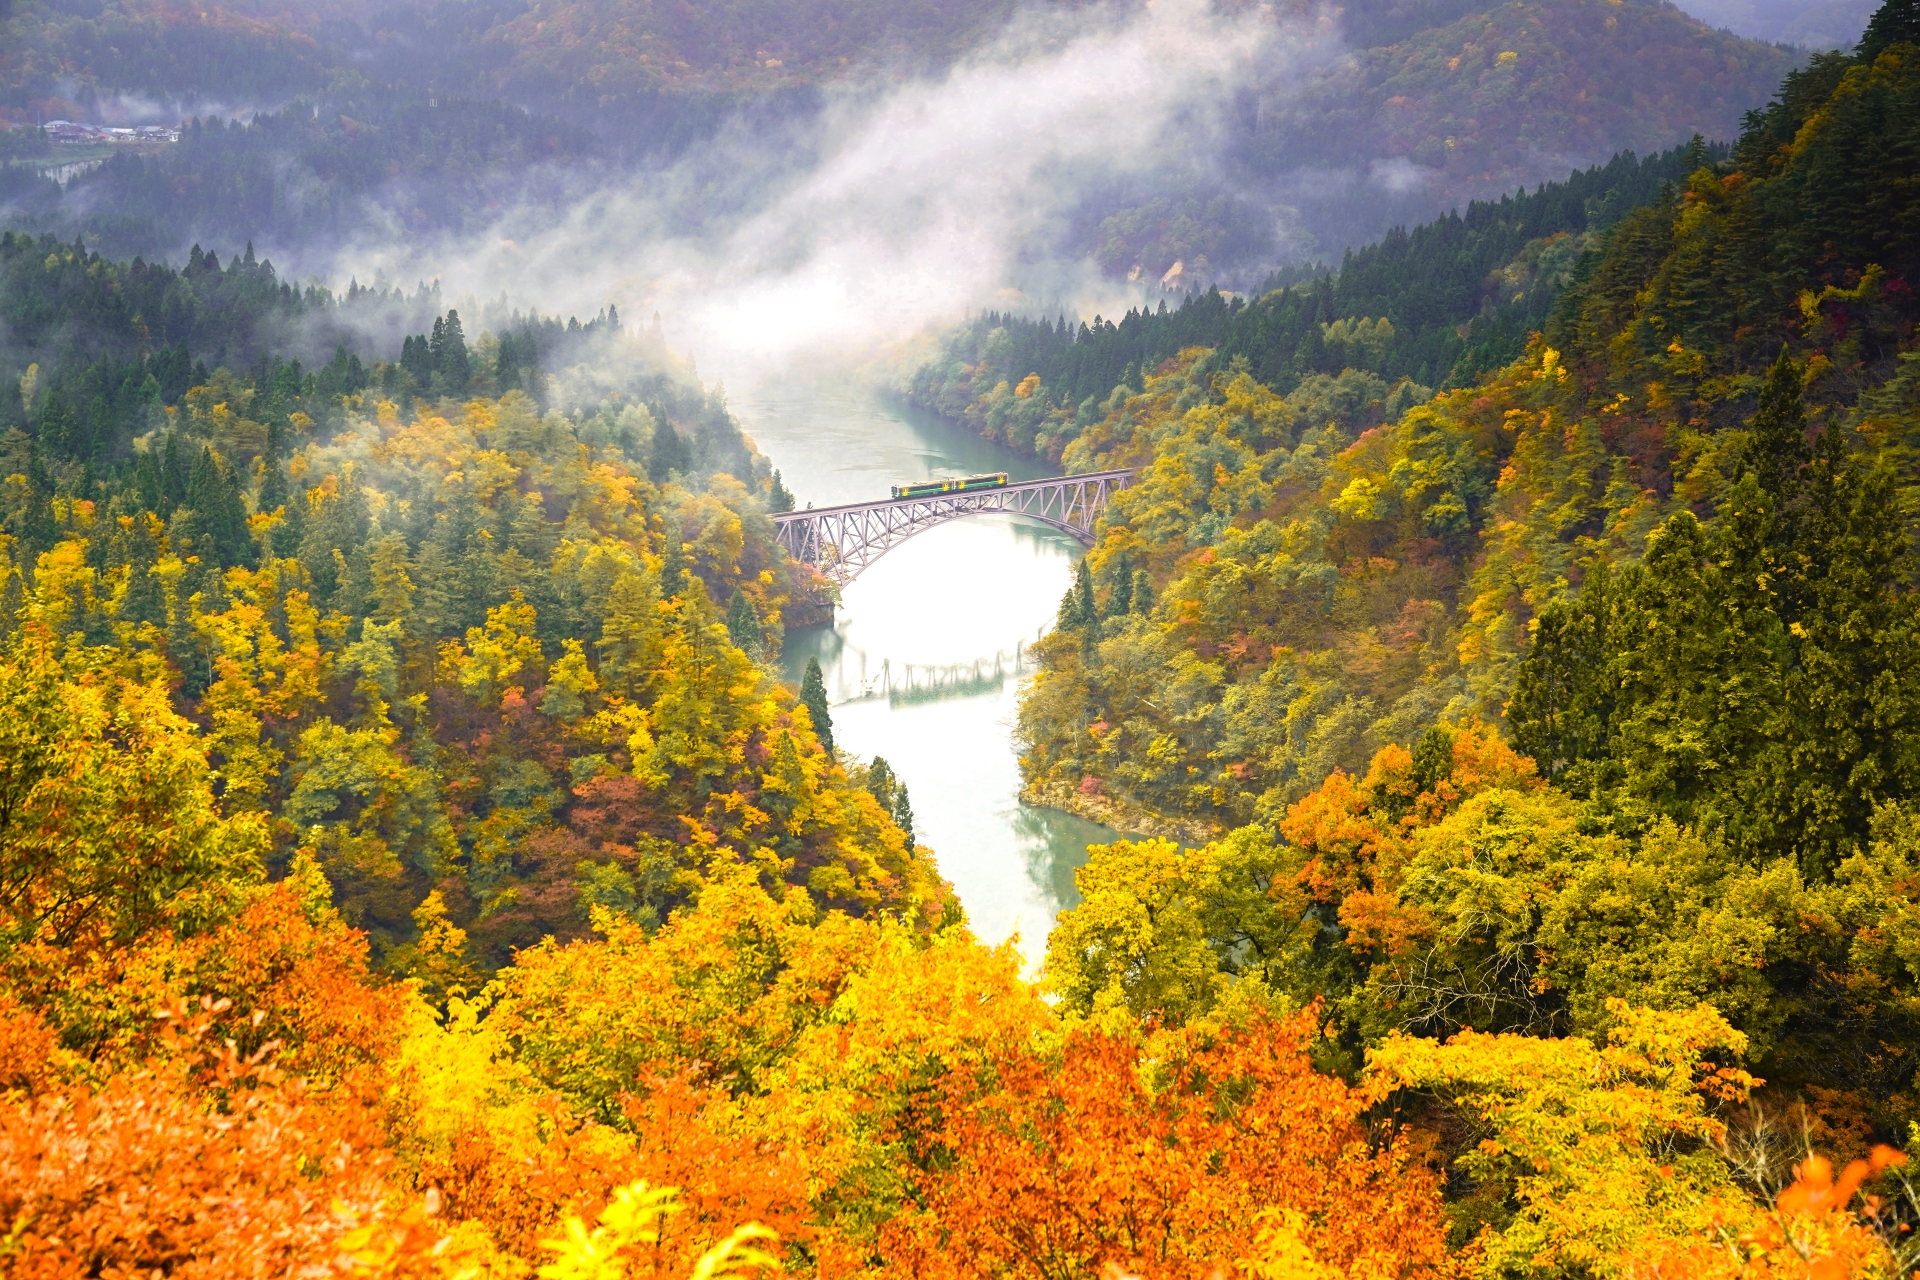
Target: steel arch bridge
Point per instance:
(843, 541)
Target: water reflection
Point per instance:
(924, 661)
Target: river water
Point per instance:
(924, 659)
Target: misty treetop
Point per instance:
(352, 572)
(103, 354)
(1437, 306)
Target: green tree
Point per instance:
(778, 496)
(744, 627)
(813, 695)
(1078, 610)
(1561, 712)
(886, 787)
(1175, 932)
(108, 824)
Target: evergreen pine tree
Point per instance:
(1848, 737)
(778, 498)
(1078, 612)
(213, 495)
(670, 453)
(416, 358)
(1140, 599)
(273, 477)
(1561, 712)
(292, 529)
(450, 358)
(1668, 676)
(57, 429)
(885, 786)
(743, 626)
(881, 782)
(673, 562)
(903, 812)
(145, 600)
(1776, 452)
(1120, 600)
(629, 642)
(148, 487)
(813, 693)
(1895, 22)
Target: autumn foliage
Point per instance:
(1091, 1159)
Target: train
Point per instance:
(933, 488)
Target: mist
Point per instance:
(903, 206)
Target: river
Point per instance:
(922, 663)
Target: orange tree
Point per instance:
(1098, 1154)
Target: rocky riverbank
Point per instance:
(1120, 814)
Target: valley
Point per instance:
(476, 802)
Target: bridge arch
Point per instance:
(843, 541)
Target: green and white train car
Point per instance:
(934, 488)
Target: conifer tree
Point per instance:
(173, 476)
(886, 787)
(1561, 712)
(903, 812)
(744, 627)
(145, 601)
(813, 693)
(629, 640)
(1848, 725)
(273, 477)
(1140, 598)
(881, 782)
(1120, 601)
(148, 487)
(778, 497)
(450, 359)
(673, 562)
(1078, 611)
(213, 494)
(670, 454)
(416, 358)
(1895, 22)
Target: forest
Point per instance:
(1432, 307)
(1590, 681)
(412, 865)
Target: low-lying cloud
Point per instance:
(901, 207)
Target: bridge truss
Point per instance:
(843, 541)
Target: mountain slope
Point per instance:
(1300, 579)
(1518, 94)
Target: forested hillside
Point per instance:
(1669, 549)
(300, 176)
(1515, 95)
(1403, 553)
(364, 577)
(1436, 306)
(382, 119)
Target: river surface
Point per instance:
(924, 659)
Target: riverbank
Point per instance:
(1122, 815)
